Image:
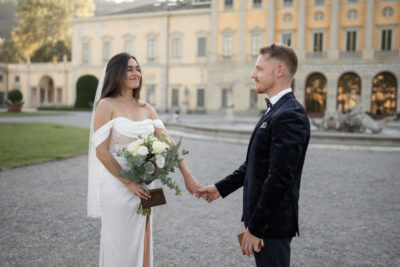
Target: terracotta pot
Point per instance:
(14, 107)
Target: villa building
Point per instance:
(198, 55)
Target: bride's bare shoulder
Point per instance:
(106, 104)
(151, 111)
(104, 110)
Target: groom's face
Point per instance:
(264, 74)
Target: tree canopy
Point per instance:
(43, 23)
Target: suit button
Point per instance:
(266, 227)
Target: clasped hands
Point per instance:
(208, 193)
(249, 242)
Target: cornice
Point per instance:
(140, 15)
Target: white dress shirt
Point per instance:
(278, 96)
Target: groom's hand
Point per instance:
(209, 193)
(249, 243)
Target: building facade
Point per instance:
(40, 83)
(198, 55)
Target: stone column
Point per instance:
(70, 95)
(333, 52)
(55, 95)
(242, 32)
(214, 32)
(366, 89)
(64, 89)
(38, 96)
(301, 32)
(163, 43)
(271, 22)
(55, 91)
(331, 95)
(368, 51)
(46, 95)
(300, 89)
(28, 87)
(212, 91)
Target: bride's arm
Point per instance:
(192, 185)
(102, 116)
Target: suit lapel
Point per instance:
(254, 132)
(265, 117)
(278, 104)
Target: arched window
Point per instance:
(316, 88)
(46, 90)
(349, 87)
(383, 97)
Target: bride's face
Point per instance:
(133, 75)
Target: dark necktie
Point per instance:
(269, 104)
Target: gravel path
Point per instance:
(349, 212)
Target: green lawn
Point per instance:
(25, 143)
(28, 114)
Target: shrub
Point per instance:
(62, 108)
(15, 97)
(86, 91)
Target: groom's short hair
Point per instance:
(283, 53)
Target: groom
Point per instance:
(271, 173)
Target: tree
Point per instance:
(49, 52)
(44, 22)
(9, 53)
(86, 91)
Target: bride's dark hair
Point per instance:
(115, 76)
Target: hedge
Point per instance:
(86, 91)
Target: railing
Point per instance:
(350, 54)
(387, 53)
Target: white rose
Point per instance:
(159, 147)
(140, 141)
(160, 161)
(132, 148)
(143, 151)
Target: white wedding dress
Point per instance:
(122, 229)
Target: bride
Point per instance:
(119, 117)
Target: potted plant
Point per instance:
(14, 100)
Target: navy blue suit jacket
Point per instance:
(271, 174)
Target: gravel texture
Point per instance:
(349, 212)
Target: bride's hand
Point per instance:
(137, 190)
(192, 185)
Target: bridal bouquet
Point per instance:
(148, 159)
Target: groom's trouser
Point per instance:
(275, 253)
